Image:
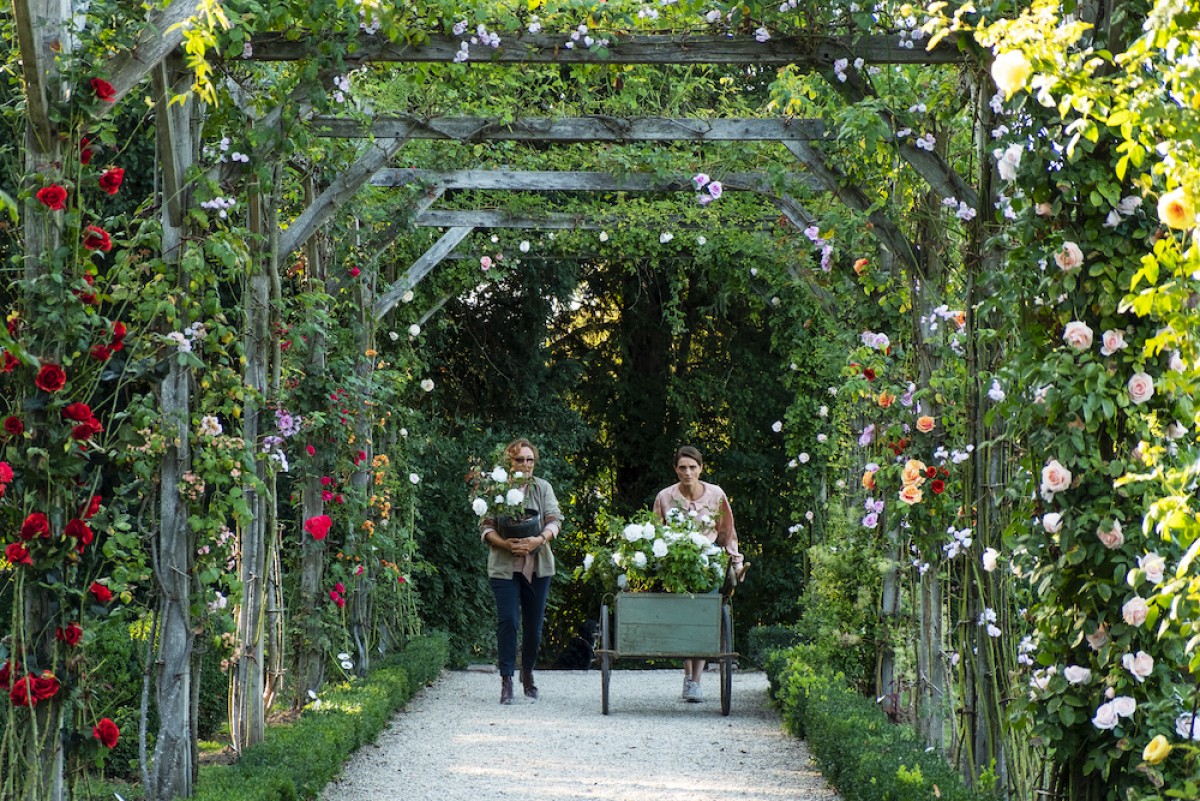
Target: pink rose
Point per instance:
(1111, 538)
(1141, 387)
(1052, 522)
(1078, 335)
(1098, 638)
(1055, 477)
(1141, 665)
(1069, 258)
(1113, 340)
(1135, 610)
(1154, 566)
(1106, 717)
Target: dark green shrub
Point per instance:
(761, 641)
(861, 753)
(297, 760)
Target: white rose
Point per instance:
(1141, 387)
(479, 506)
(1055, 477)
(648, 531)
(1069, 258)
(588, 561)
(659, 548)
(514, 497)
(1176, 362)
(1078, 335)
(499, 474)
(989, 559)
(1008, 160)
(1140, 665)
(1176, 431)
(1077, 674)
(823, 411)
(1098, 638)
(1187, 726)
(639, 559)
(1154, 565)
(1041, 678)
(1111, 538)
(632, 532)
(414, 330)
(1113, 340)
(604, 236)
(1106, 717)
(427, 385)
(407, 297)
(1135, 610)
(1124, 706)
(1052, 522)
(699, 540)
(804, 457)
(777, 426)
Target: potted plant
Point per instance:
(500, 494)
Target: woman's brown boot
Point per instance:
(506, 690)
(531, 691)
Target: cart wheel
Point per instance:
(605, 658)
(726, 661)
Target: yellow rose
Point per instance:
(925, 424)
(1010, 71)
(1156, 750)
(913, 474)
(1175, 209)
(911, 494)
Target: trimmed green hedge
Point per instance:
(297, 760)
(861, 753)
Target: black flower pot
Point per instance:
(517, 528)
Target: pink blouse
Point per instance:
(712, 512)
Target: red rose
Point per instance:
(318, 526)
(71, 635)
(354, 271)
(51, 378)
(930, 472)
(87, 429)
(310, 450)
(118, 338)
(93, 506)
(10, 363)
(338, 498)
(79, 530)
(944, 471)
(6, 473)
(326, 496)
(326, 481)
(333, 595)
(341, 602)
(77, 412)
(339, 587)
(17, 554)
(101, 353)
(45, 686)
(361, 456)
(6, 671)
(104, 90)
(85, 151)
(95, 238)
(938, 486)
(53, 197)
(36, 525)
(103, 594)
(111, 180)
(14, 426)
(106, 732)
(869, 374)
(21, 693)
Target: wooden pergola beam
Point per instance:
(565, 181)
(162, 34)
(813, 52)
(575, 129)
(342, 189)
(420, 268)
(490, 218)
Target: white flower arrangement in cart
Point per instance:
(648, 556)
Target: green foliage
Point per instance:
(862, 754)
(298, 759)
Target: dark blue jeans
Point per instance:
(519, 601)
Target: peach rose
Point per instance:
(1078, 335)
(1111, 538)
(1141, 387)
(960, 319)
(868, 480)
(1069, 258)
(913, 474)
(1175, 209)
(1055, 477)
(911, 494)
(886, 399)
(925, 424)
(859, 266)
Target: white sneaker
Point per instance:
(693, 694)
(687, 684)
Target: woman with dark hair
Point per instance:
(520, 571)
(708, 505)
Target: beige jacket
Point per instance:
(501, 563)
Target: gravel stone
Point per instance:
(455, 742)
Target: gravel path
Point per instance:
(455, 742)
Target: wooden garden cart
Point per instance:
(665, 625)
